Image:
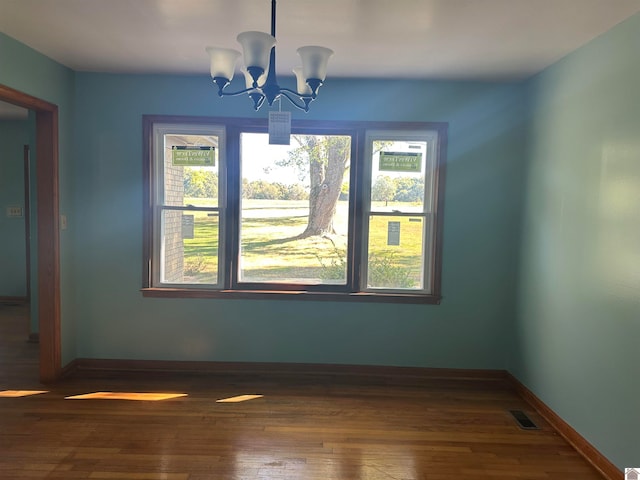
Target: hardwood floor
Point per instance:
(314, 427)
(18, 357)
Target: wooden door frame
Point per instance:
(47, 227)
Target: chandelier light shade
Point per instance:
(223, 62)
(256, 48)
(259, 56)
(314, 61)
(301, 84)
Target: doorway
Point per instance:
(16, 129)
(47, 226)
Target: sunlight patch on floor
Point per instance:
(239, 398)
(20, 393)
(126, 396)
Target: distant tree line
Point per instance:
(204, 184)
(398, 189)
(263, 190)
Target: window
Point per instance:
(347, 211)
(399, 217)
(187, 240)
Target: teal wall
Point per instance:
(28, 71)
(577, 338)
(14, 134)
(468, 330)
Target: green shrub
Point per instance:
(335, 267)
(194, 265)
(385, 272)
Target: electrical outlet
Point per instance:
(63, 222)
(14, 211)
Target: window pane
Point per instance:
(396, 252)
(189, 247)
(294, 211)
(191, 170)
(398, 176)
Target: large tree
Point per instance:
(200, 183)
(383, 189)
(326, 159)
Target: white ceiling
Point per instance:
(439, 39)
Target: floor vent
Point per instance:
(524, 422)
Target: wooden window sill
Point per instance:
(291, 295)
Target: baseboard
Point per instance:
(14, 300)
(89, 365)
(577, 441)
(69, 369)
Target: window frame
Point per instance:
(238, 285)
(159, 204)
(229, 204)
(430, 137)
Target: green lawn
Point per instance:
(270, 252)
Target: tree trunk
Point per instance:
(326, 175)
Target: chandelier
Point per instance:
(259, 54)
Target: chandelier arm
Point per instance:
(222, 93)
(299, 95)
(304, 108)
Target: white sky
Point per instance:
(257, 155)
